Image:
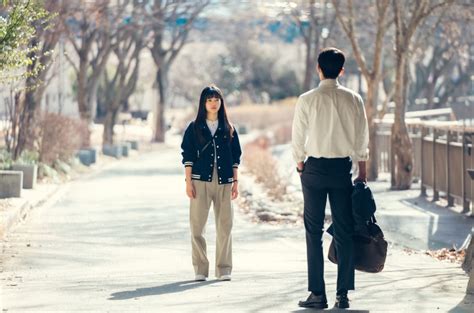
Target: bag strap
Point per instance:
(203, 149)
(373, 220)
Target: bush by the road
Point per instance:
(259, 161)
(61, 137)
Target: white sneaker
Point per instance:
(200, 278)
(225, 278)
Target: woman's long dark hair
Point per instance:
(208, 93)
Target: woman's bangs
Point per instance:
(212, 93)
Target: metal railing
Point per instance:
(442, 155)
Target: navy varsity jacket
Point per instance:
(200, 156)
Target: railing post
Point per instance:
(448, 169)
(424, 132)
(435, 190)
(465, 201)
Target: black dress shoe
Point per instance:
(342, 301)
(314, 301)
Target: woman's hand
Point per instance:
(235, 190)
(190, 190)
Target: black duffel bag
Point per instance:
(370, 251)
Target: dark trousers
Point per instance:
(322, 178)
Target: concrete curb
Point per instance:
(17, 214)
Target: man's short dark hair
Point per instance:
(331, 61)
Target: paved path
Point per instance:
(119, 242)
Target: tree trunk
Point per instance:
(82, 90)
(371, 110)
(372, 166)
(310, 68)
(25, 127)
(401, 146)
(15, 120)
(83, 99)
(92, 99)
(313, 56)
(27, 131)
(160, 127)
(430, 95)
(312, 48)
(109, 122)
(468, 265)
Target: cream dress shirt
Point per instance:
(330, 122)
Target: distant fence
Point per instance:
(442, 154)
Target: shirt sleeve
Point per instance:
(236, 150)
(188, 147)
(361, 149)
(299, 131)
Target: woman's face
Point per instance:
(213, 105)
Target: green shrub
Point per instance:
(45, 170)
(5, 160)
(62, 167)
(28, 157)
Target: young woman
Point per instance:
(211, 156)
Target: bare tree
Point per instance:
(121, 83)
(172, 22)
(408, 17)
(91, 31)
(316, 21)
(441, 58)
(372, 72)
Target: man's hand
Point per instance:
(362, 177)
(300, 167)
(190, 190)
(235, 190)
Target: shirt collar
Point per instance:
(204, 126)
(209, 122)
(328, 83)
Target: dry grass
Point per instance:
(259, 161)
(263, 116)
(282, 133)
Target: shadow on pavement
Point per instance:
(465, 306)
(422, 224)
(445, 228)
(159, 290)
(331, 310)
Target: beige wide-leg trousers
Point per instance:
(220, 196)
